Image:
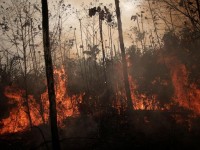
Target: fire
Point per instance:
(142, 101)
(187, 95)
(66, 106)
(18, 119)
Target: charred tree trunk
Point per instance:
(125, 72)
(49, 75)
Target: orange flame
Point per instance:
(186, 95)
(18, 119)
(142, 101)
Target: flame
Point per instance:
(142, 101)
(18, 119)
(66, 106)
(186, 94)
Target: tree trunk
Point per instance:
(154, 24)
(49, 75)
(25, 73)
(82, 52)
(103, 50)
(125, 72)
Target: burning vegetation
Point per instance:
(96, 78)
(18, 120)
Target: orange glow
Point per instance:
(187, 95)
(142, 102)
(18, 119)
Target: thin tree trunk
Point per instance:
(25, 71)
(125, 72)
(33, 43)
(154, 23)
(171, 19)
(111, 44)
(49, 75)
(103, 50)
(82, 52)
(139, 32)
(79, 60)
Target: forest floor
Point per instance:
(140, 130)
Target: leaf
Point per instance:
(138, 14)
(92, 11)
(133, 17)
(98, 9)
(106, 9)
(109, 18)
(69, 5)
(101, 15)
(39, 27)
(27, 23)
(35, 7)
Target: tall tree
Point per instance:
(49, 75)
(124, 63)
(101, 13)
(188, 8)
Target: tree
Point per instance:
(16, 28)
(49, 75)
(190, 9)
(124, 63)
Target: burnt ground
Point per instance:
(140, 130)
